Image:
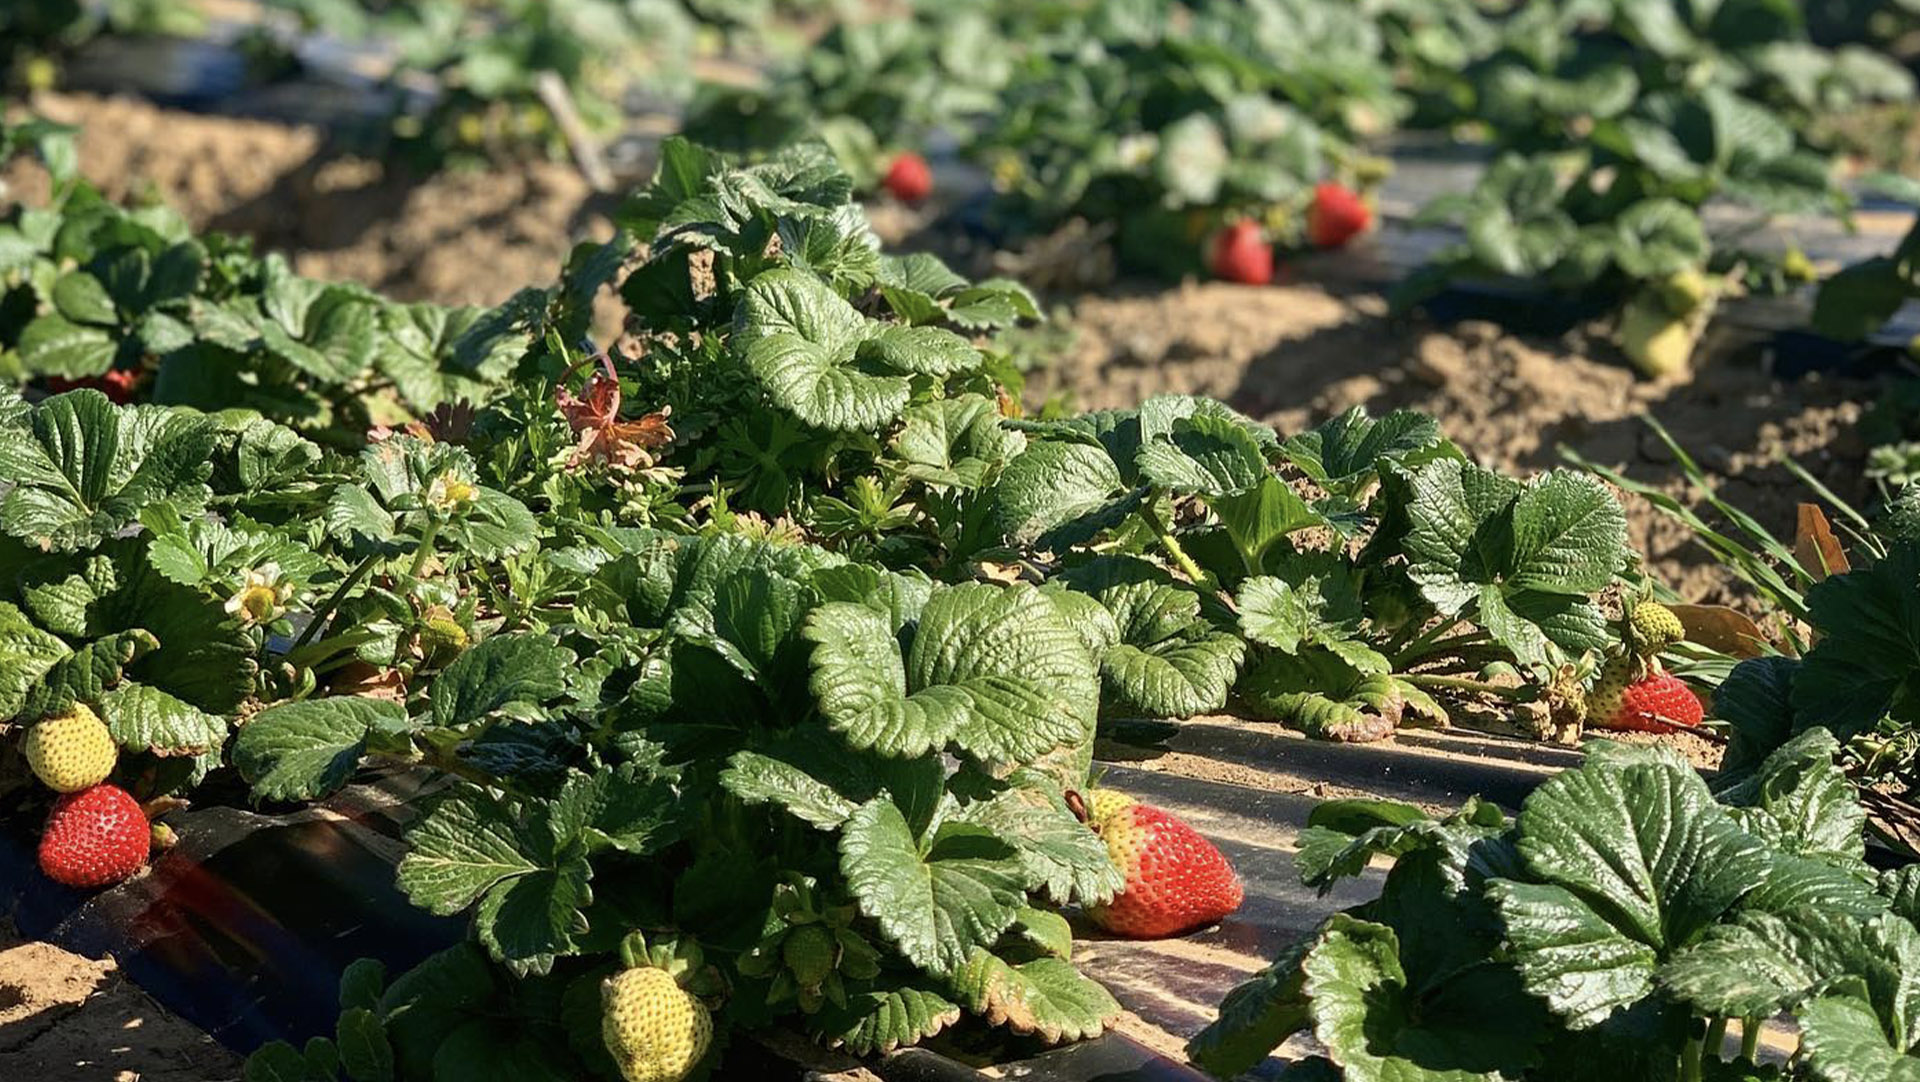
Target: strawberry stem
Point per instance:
(1472, 687)
(1077, 804)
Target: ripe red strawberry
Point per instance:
(1658, 702)
(95, 838)
(117, 384)
(1176, 880)
(909, 178)
(1239, 254)
(1337, 215)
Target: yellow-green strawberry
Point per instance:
(655, 1029)
(1655, 628)
(808, 953)
(71, 751)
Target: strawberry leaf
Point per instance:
(1844, 1042)
(938, 904)
(307, 750)
(1046, 997)
(881, 1020)
(520, 669)
(1633, 858)
(1168, 662)
(995, 673)
(1380, 1027)
(86, 468)
(143, 718)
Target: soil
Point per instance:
(64, 1018)
(457, 237)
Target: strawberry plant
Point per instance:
(1615, 125)
(751, 665)
(482, 63)
(1620, 926)
(129, 300)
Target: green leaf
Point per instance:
(1635, 858)
(503, 671)
(882, 1020)
(1569, 535)
(53, 346)
(1046, 997)
(309, 749)
(1169, 662)
(86, 468)
(361, 984)
(996, 673)
(1457, 539)
(1869, 650)
(1762, 963)
(424, 1005)
(80, 297)
(936, 906)
(1859, 299)
(1379, 1028)
(1807, 794)
(803, 343)
(1305, 607)
(364, 1050)
(460, 850)
(278, 1061)
(1061, 857)
(1256, 1017)
(1057, 494)
(143, 718)
(1207, 454)
(956, 442)
(26, 653)
(1844, 1042)
(763, 779)
(1347, 449)
(85, 675)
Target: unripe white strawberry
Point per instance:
(656, 1030)
(71, 751)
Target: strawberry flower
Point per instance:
(450, 492)
(262, 597)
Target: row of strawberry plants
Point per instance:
(129, 300)
(791, 672)
(1204, 133)
(1617, 125)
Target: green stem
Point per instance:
(1172, 545)
(1458, 683)
(1690, 1059)
(1424, 643)
(425, 551)
(1750, 1038)
(325, 611)
(1716, 1036)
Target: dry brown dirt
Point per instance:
(64, 1018)
(457, 237)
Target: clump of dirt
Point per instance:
(1297, 355)
(64, 1018)
(456, 237)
